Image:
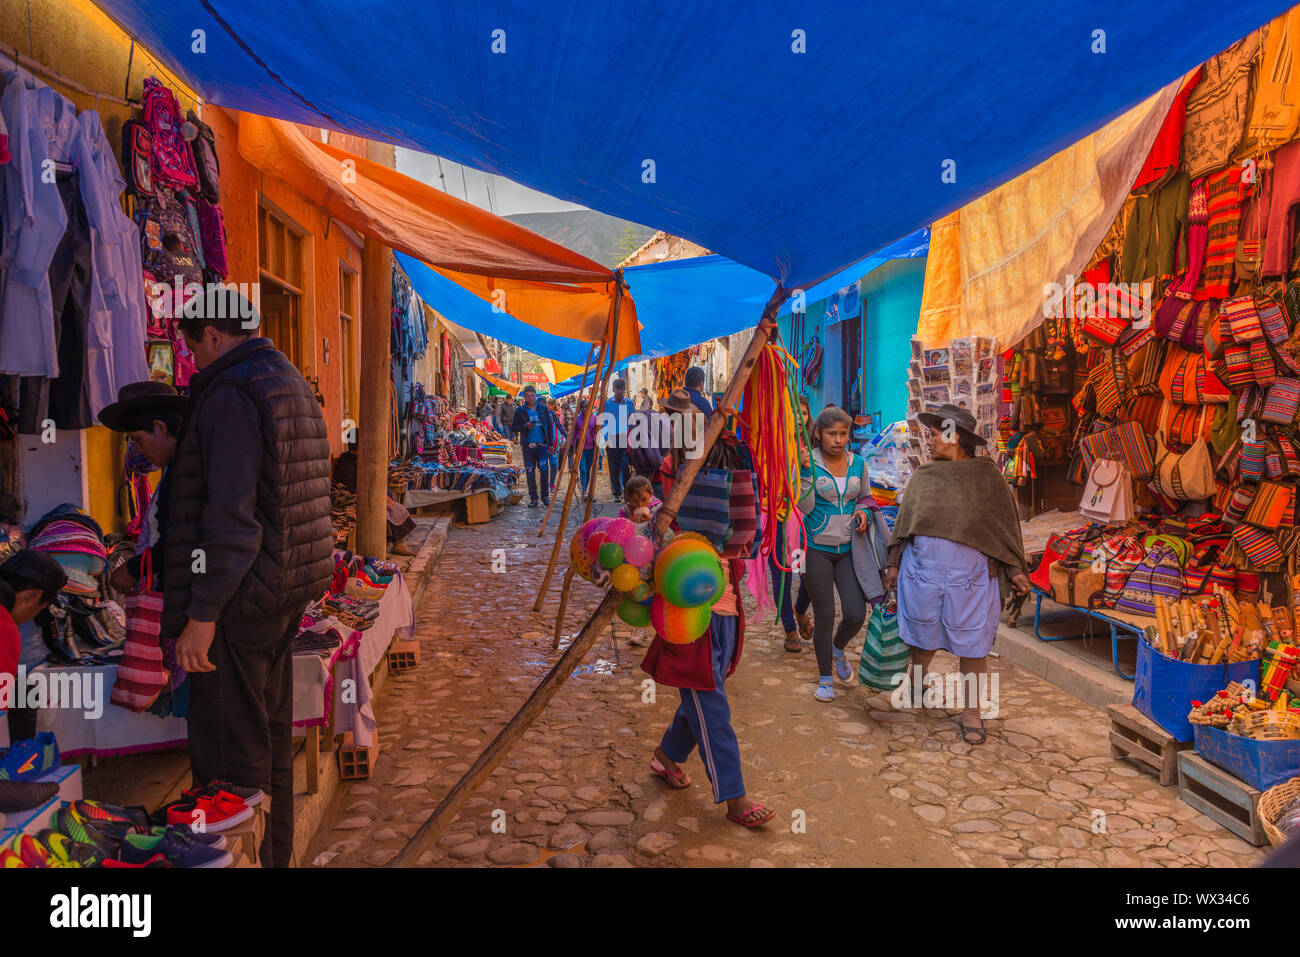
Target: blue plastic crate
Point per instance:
(1261, 764)
(1164, 689)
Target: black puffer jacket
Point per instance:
(250, 487)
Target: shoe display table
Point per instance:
(330, 689)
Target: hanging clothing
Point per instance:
(117, 346)
(1198, 230)
(1155, 245)
(1284, 196)
(71, 289)
(1275, 101)
(1224, 193)
(34, 220)
(1216, 112)
(1162, 162)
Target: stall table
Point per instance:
(1131, 625)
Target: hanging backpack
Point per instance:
(206, 162)
(137, 157)
(212, 236)
(191, 207)
(173, 160)
(166, 243)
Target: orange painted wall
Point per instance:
(325, 246)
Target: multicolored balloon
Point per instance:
(688, 573)
(620, 531)
(676, 624)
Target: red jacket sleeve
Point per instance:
(10, 644)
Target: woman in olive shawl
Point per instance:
(955, 554)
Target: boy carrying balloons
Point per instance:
(698, 668)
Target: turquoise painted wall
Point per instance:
(891, 296)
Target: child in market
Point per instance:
(699, 670)
(639, 505)
(639, 500)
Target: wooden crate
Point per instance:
(1135, 736)
(356, 763)
(1218, 795)
(403, 655)
(476, 508)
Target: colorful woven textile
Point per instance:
(1282, 402)
(1270, 506)
(1260, 548)
(1224, 192)
(707, 508)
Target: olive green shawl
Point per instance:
(968, 502)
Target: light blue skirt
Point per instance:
(946, 598)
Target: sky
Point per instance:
(505, 197)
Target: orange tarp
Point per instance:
(545, 284)
(514, 388)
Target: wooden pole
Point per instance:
(608, 350)
(568, 494)
(375, 412)
(514, 729)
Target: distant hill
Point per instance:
(595, 235)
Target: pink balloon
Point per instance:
(638, 550)
(620, 531)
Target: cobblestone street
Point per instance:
(854, 783)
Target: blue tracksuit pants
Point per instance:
(704, 719)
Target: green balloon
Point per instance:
(634, 613)
(610, 556)
(641, 592)
(693, 579)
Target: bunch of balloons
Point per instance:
(672, 589)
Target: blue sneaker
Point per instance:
(842, 669)
(215, 841)
(30, 759)
(175, 847)
(825, 688)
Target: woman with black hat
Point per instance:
(955, 554)
(151, 414)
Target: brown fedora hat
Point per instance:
(141, 397)
(679, 400)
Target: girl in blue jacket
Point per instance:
(836, 497)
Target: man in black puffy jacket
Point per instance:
(248, 545)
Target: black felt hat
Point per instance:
(141, 397)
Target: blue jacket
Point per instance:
(829, 514)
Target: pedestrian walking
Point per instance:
(582, 444)
(643, 402)
(793, 604)
(618, 411)
(695, 389)
(699, 671)
(956, 554)
(535, 427)
(506, 415)
(250, 496)
(836, 498)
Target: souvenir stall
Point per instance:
(1156, 414)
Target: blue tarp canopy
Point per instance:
(792, 141)
(680, 302)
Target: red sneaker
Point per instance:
(156, 861)
(215, 812)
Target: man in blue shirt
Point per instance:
(536, 431)
(619, 409)
(694, 388)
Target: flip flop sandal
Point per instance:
(981, 734)
(793, 644)
(677, 780)
(748, 819)
(805, 632)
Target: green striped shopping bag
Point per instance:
(884, 654)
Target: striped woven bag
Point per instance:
(1241, 371)
(1260, 548)
(1238, 502)
(140, 672)
(1242, 319)
(1251, 463)
(1159, 573)
(1282, 402)
(1273, 322)
(1268, 509)
(1261, 363)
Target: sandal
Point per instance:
(805, 627)
(979, 735)
(793, 644)
(756, 816)
(676, 779)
